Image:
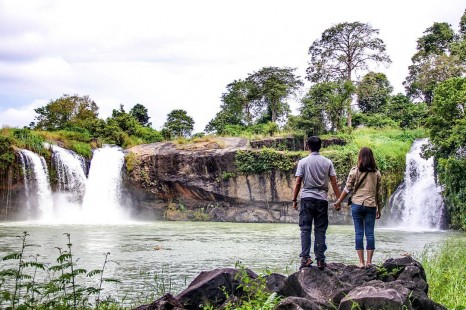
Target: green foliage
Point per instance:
(373, 120)
(60, 287)
(325, 102)
(265, 160)
(7, 154)
(444, 267)
(405, 113)
(344, 49)
(67, 112)
(140, 113)
(373, 92)
(254, 293)
(440, 56)
(179, 124)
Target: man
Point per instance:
(314, 172)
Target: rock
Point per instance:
(166, 302)
(320, 286)
(275, 282)
(298, 303)
(387, 296)
(416, 275)
(209, 287)
(396, 266)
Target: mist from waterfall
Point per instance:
(77, 199)
(417, 204)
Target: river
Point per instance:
(175, 252)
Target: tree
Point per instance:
(373, 92)
(236, 108)
(139, 112)
(342, 50)
(440, 56)
(269, 89)
(326, 103)
(179, 124)
(404, 112)
(67, 112)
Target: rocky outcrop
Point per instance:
(201, 182)
(336, 287)
(12, 192)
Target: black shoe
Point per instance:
(305, 262)
(321, 264)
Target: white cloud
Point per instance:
(19, 117)
(182, 54)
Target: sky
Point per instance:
(181, 54)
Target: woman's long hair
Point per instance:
(366, 160)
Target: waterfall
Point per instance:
(417, 203)
(71, 171)
(101, 202)
(76, 198)
(36, 183)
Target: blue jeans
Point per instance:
(313, 210)
(364, 222)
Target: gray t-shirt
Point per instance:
(316, 171)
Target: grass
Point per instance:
(446, 275)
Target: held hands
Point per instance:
(337, 205)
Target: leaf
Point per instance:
(12, 256)
(94, 272)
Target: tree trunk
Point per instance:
(349, 106)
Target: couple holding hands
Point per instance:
(313, 175)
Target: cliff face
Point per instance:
(201, 182)
(12, 192)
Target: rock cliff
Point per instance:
(201, 181)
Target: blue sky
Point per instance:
(177, 54)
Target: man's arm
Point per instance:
(297, 188)
(336, 190)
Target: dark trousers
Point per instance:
(313, 210)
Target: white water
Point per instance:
(101, 202)
(417, 204)
(78, 199)
(36, 178)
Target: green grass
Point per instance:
(446, 275)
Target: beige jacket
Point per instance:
(369, 192)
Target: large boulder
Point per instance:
(393, 295)
(212, 287)
(298, 303)
(166, 302)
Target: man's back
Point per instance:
(315, 170)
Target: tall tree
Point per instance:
(440, 56)
(272, 86)
(236, 108)
(373, 92)
(67, 112)
(343, 51)
(140, 113)
(179, 123)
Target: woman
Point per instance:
(365, 182)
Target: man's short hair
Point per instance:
(314, 143)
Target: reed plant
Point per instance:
(445, 270)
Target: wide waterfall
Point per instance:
(36, 183)
(417, 203)
(76, 198)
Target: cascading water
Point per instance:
(417, 204)
(36, 182)
(77, 199)
(101, 202)
(71, 170)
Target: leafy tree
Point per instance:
(67, 112)
(404, 112)
(441, 54)
(344, 49)
(139, 112)
(447, 130)
(373, 92)
(325, 103)
(179, 123)
(236, 108)
(271, 86)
